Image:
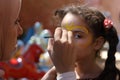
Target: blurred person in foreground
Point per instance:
(10, 29)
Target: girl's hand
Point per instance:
(50, 75)
(61, 50)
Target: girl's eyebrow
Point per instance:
(71, 27)
(78, 31)
(84, 30)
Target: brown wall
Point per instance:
(42, 10)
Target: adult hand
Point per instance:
(61, 50)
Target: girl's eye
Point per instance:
(78, 36)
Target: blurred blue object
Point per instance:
(28, 35)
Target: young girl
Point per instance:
(73, 49)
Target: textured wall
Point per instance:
(42, 10)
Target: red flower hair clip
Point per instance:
(108, 23)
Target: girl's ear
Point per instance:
(99, 42)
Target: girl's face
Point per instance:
(12, 28)
(82, 35)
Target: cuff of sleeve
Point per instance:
(67, 76)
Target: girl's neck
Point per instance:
(87, 69)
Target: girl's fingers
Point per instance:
(50, 43)
(58, 34)
(64, 37)
(50, 46)
(70, 37)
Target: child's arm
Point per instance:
(50, 75)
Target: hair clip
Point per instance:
(108, 23)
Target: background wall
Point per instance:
(42, 10)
